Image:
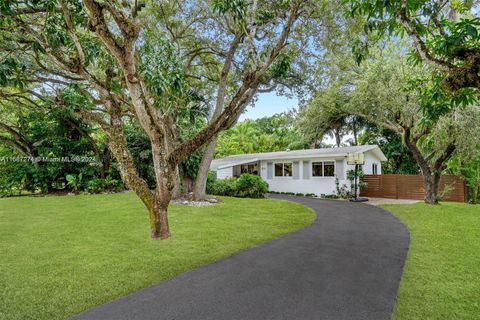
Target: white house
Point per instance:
(301, 171)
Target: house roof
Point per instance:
(295, 154)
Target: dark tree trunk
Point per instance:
(355, 134)
(431, 173)
(338, 136)
(431, 185)
(105, 163)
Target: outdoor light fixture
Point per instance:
(356, 159)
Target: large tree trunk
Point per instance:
(160, 228)
(118, 146)
(166, 174)
(431, 176)
(431, 184)
(199, 191)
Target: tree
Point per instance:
(326, 118)
(267, 134)
(386, 93)
(282, 73)
(31, 131)
(466, 161)
(399, 157)
(109, 61)
(445, 35)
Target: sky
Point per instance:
(269, 104)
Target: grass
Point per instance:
(441, 279)
(63, 255)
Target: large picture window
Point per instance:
(283, 169)
(323, 169)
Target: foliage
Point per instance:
(251, 186)
(275, 133)
(101, 240)
(343, 191)
(399, 157)
(74, 182)
(445, 35)
(96, 185)
(113, 185)
(222, 187)
(246, 186)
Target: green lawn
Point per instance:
(63, 255)
(441, 279)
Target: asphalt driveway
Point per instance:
(346, 265)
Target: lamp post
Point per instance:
(356, 159)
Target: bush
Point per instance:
(313, 195)
(299, 194)
(330, 196)
(247, 186)
(96, 185)
(343, 192)
(113, 185)
(224, 187)
(251, 186)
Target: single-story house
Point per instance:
(301, 171)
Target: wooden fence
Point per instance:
(409, 186)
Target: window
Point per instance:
(323, 169)
(329, 169)
(374, 168)
(249, 168)
(283, 169)
(317, 170)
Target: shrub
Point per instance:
(343, 192)
(299, 194)
(96, 185)
(224, 187)
(211, 179)
(247, 186)
(114, 185)
(74, 182)
(251, 186)
(330, 196)
(313, 195)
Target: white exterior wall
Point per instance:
(371, 158)
(225, 173)
(316, 185)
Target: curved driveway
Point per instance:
(346, 265)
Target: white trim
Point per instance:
(237, 163)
